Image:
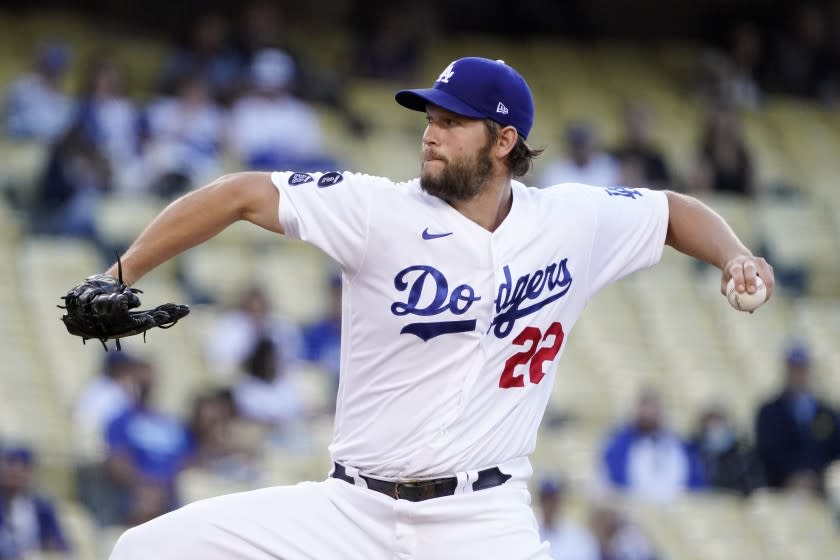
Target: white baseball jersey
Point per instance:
(451, 333)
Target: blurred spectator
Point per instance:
(642, 164)
(267, 394)
(183, 139)
(28, 521)
(729, 462)
(108, 394)
(568, 540)
(618, 538)
(209, 56)
(585, 163)
(236, 333)
(647, 459)
(111, 121)
(146, 451)
(217, 449)
(322, 339)
(798, 435)
(77, 176)
(263, 25)
(35, 108)
(392, 49)
(803, 63)
(725, 165)
(272, 129)
(732, 76)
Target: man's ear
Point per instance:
(505, 141)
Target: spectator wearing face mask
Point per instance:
(647, 459)
(729, 461)
(797, 432)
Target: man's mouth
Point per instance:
(433, 157)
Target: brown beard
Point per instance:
(460, 180)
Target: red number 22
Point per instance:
(537, 357)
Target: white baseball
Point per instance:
(746, 301)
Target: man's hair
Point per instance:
(520, 159)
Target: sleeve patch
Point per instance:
(623, 191)
(330, 179)
(300, 178)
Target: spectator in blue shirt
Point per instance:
(28, 521)
(183, 138)
(797, 433)
(147, 449)
(649, 461)
(111, 121)
(35, 108)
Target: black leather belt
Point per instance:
(419, 490)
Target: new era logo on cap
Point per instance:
(475, 92)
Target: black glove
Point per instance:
(100, 308)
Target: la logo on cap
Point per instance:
(447, 73)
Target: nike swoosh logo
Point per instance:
(427, 235)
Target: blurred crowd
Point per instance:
(256, 405)
(795, 437)
(236, 93)
(237, 89)
(231, 89)
(723, 162)
(131, 453)
(799, 57)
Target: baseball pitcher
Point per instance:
(461, 289)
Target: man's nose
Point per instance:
(429, 136)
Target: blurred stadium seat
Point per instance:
(195, 484)
(81, 531)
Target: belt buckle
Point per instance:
(426, 488)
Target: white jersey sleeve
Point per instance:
(629, 235)
(329, 210)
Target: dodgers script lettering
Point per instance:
(525, 296)
(426, 293)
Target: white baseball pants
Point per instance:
(335, 520)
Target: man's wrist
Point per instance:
(740, 253)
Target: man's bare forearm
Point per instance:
(198, 216)
(698, 231)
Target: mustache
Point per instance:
(429, 154)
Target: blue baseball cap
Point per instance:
(797, 355)
(478, 88)
(552, 487)
(19, 454)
